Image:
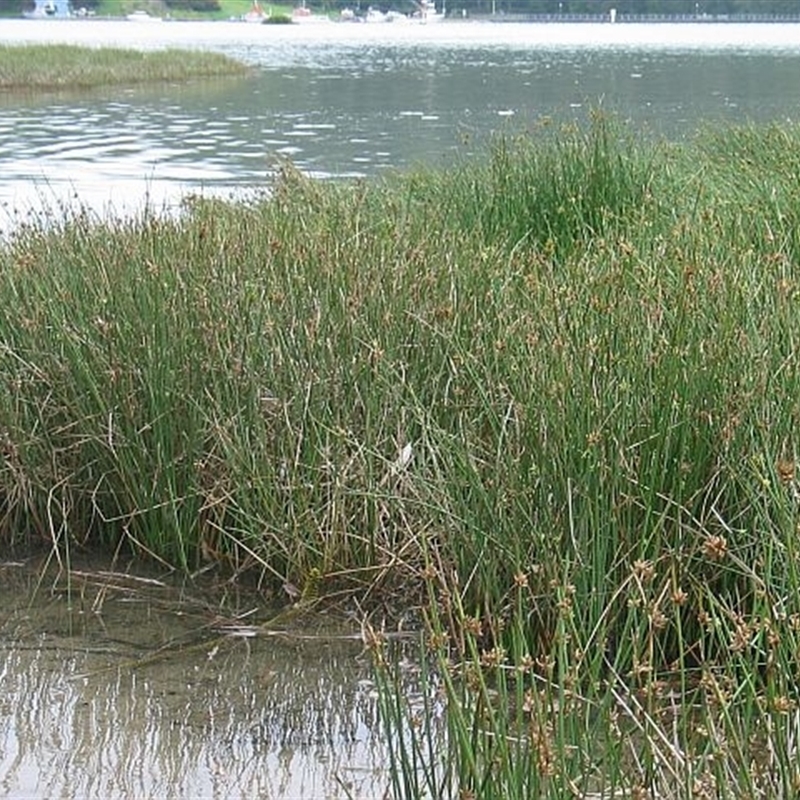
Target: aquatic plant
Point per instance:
(551, 397)
(49, 67)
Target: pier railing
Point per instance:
(620, 17)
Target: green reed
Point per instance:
(36, 67)
(549, 398)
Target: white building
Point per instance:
(49, 9)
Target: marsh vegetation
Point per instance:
(549, 398)
(55, 67)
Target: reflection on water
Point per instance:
(352, 100)
(125, 688)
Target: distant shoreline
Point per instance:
(632, 18)
(621, 18)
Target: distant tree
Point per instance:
(677, 7)
(13, 8)
(599, 7)
(194, 5)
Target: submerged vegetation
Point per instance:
(552, 397)
(52, 67)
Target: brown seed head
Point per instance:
(473, 626)
(785, 469)
(679, 597)
(783, 704)
(494, 657)
(643, 570)
(715, 548)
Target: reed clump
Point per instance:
(54, 67)
(551, 396)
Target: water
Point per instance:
(136, 686)
(122, 688)
(358, 100)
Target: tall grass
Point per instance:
(552, 397)
(619, 613)
(54, 67)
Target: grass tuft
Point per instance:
(551, 397)
(55, 67)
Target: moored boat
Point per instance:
(305, 15)
(426, 12)
(376, 15)
(142, 16)
(255, 14)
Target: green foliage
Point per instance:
(12, 8)
(592, 186)
(657, 7)
(15, 8)
(193, 5)
(622, 620)
(47, 67)
(552, 398)
(600, 7)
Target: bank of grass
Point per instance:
(228, 9)
(58, 67)
(551, 397)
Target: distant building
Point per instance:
(49, 9)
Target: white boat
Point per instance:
(305, 15)
(426, 12)
(255, 14)
(374, 15)
(142, 16)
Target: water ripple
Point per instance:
(373, 96)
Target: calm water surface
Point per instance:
(356, 100)
(120, 686)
